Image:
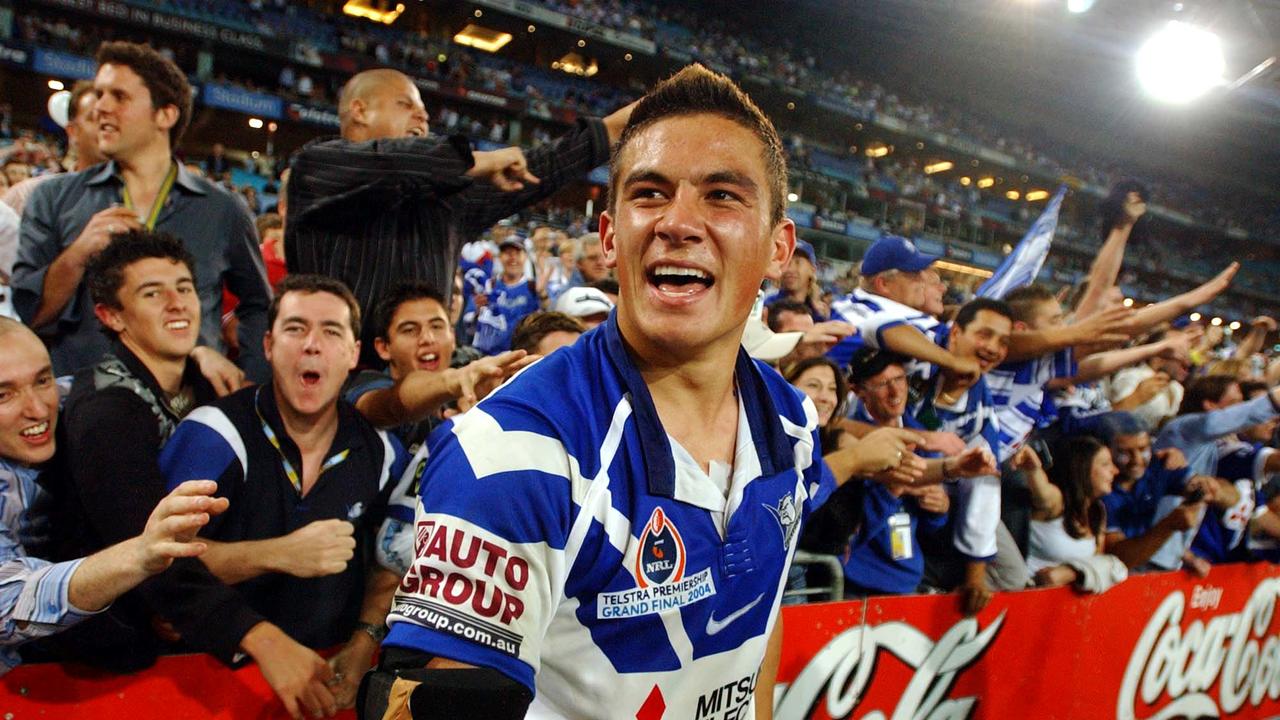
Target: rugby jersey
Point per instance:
(1021, 403)
(872, 314)
(497, 320)
(558, 541)
(1221, 534)
(977, 499)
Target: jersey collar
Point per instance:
(772, 445)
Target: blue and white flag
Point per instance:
(1024, 263)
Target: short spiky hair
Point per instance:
(1023, 300)
(163, 79)
(105, 272)
(311, 284)
(78, 91)
(398, 295)
(970, 310)
(696, 90)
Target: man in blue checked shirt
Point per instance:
(38, 598)
(608, 534)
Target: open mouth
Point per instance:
(428, 361)
(676, 281)
(177, 325)
(417, 132)
(36, 434)
(988, 360)
(310, 378)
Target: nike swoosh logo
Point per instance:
(714, 626)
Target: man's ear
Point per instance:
(167, 117)
(355, 357)
(109, 317)
(783, 240)
(1019, 326)
(383, 348)
(607, 240)
(267, 342)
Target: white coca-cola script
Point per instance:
(842, 670)
(1236, 650)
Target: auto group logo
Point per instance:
(837, 678)
(1238, 652)
(661, 557)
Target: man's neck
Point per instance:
(145, 171)
(692, 395)
(512, 279)
(309, 432)
(167, 371)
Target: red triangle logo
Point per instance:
(654, 706)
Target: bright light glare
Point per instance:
(1180, 63)
(1079, 6)
(792, 197)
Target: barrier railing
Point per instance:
(1156, 647)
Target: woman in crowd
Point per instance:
(1068, 520)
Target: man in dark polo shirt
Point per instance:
(384, 202)
(286, 454)
(144, 105)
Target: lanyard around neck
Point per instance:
(295, 478)
(161, 196)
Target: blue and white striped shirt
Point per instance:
(561, 540)
(34, 598)
(872, 314)
(1021, 403)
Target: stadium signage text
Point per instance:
(1236, 651)
(167, 22)
(838, 676)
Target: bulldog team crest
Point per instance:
(661, 557)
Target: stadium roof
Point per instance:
(1050, 74)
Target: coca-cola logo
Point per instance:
(1236, 651)
(838, 675)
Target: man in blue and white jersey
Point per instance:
(961, 404)
(888, 308)
(611, 530)
(507, 298)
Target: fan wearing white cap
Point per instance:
(589, 305)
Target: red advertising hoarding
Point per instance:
(1156, 647)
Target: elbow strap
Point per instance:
(422, 694)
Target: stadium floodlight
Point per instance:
(1079, 6)
(1180, 63)
(255, 123)
(1235, 325)
(1195, 317)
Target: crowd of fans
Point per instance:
(1004, 443)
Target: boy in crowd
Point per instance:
(414, 336)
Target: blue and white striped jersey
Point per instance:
(1021, 403)
(559, 541)
(977, 509)
(873, 314)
